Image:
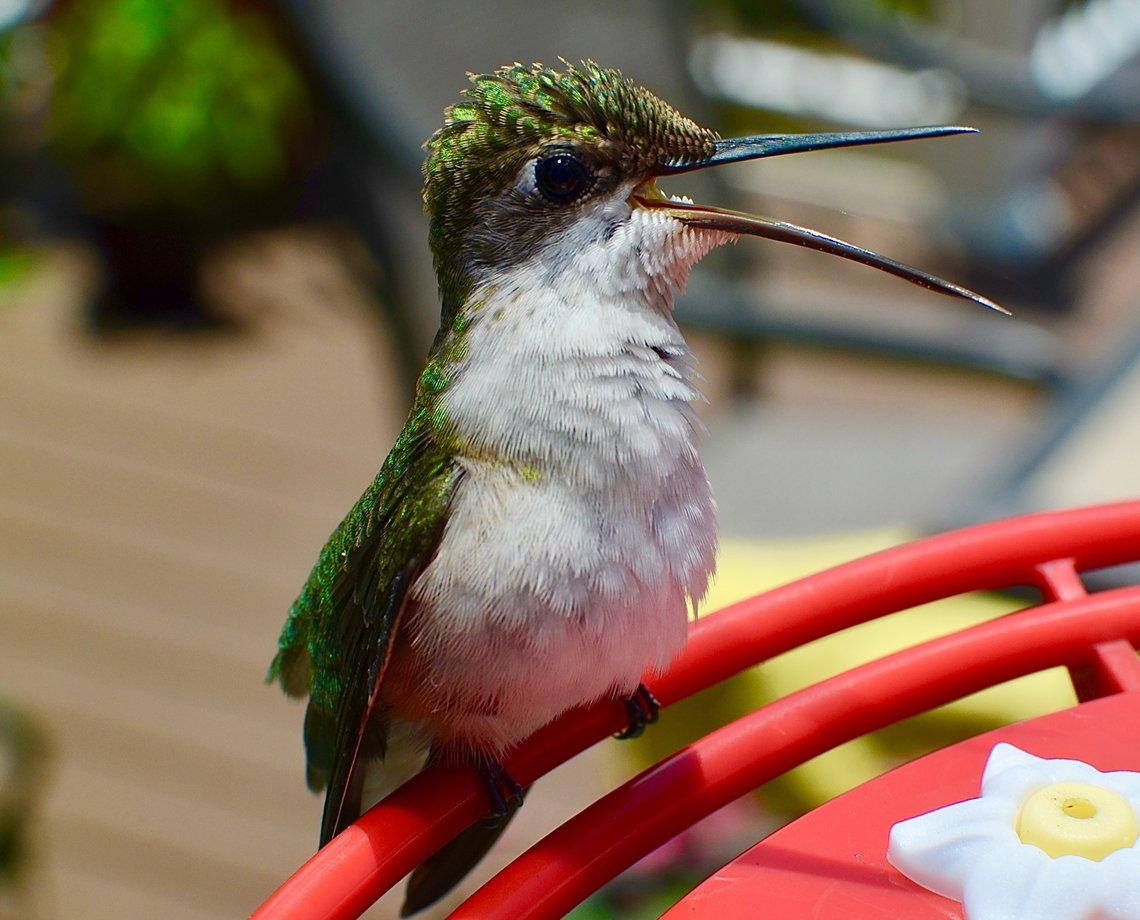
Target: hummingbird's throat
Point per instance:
(675, 244)
(663, 247)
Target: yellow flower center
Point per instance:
(1077, 819)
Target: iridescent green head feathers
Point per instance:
(517, 110)
(514, 114)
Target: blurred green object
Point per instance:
(23, 772)
(178, 124)
(173, 103)
(14, 267)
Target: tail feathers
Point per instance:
(437, 875)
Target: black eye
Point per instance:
(561, 177)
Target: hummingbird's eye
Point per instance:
(561, 177)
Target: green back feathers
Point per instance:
(335, 643)
(511, 114)
(346, 606)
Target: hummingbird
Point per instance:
(543, 528)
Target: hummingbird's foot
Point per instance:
(503, 790)
(643, 709)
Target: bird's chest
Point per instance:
(542, 597)
(570, 557)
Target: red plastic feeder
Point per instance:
(831, 862)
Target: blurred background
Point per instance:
(215, 293)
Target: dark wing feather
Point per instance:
(361, 730)
(338, 638)
(370, 609)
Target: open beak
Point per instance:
(733, 150)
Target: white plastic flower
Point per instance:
(1047, 840)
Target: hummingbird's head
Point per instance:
(538, 162)
(534, 151)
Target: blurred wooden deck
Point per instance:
(161, 500)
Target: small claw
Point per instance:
(643, 709)
(504, 792)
